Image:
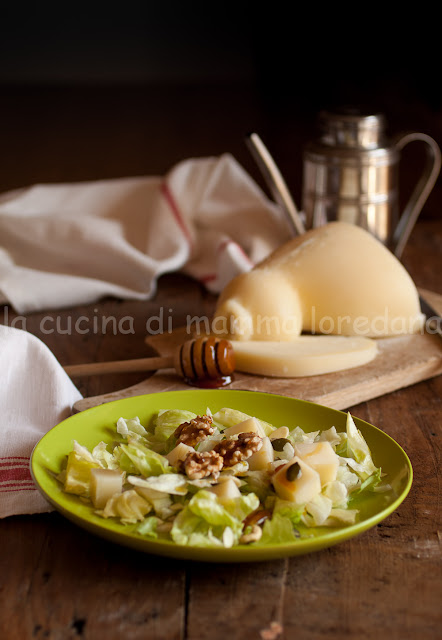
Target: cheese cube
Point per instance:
(104, 484)
(262, 458)
(281, 432)
(321, 457)
(226, 490)
(179, 453)
(302, 488)
(251, 425)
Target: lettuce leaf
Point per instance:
(166, 422)
(78, 474)
(339, 517)
(358, 449)
(278, 530)
(169, 483)
(135, 458)
(160, 501)
(259, 483)
(297, 435)
(131, 426)
(317, 511)
(148, 527)
(207, 522)
(288, 509)
(129, 506)
(337, 492)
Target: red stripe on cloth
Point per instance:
(167, 193)
(209, 278)
(24, 488)
(223, 246)
(15, 473)
(13, 463)
(14, 458)
(17, 484)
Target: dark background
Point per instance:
(101, 90)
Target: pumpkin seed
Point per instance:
(293, 472)
(279, 443)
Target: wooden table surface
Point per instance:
(59, 582)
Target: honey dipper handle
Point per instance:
(119, 366)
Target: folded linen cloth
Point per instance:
(68, 244)
(30, 405)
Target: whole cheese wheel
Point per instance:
(337, 279)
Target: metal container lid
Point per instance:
(349, 128)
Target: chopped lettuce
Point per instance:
(358, 449)
(148, 528)
(337, 492)
(132, 426)
(259, 483)
(278, 530)
(170, 483)
(339, 517)
(205, 521)
(136, 458)
(129, 506)
(165, 503)
(317, 511)
(297, 435)
(288, 509)
(166, 422)
(78, 474)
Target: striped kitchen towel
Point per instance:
(35, 395)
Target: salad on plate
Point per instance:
(223, 479)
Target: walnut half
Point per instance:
(234, 450)
(200, 465)
(195, 431)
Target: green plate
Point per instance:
(98, 423)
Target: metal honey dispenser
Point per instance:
(351, 173)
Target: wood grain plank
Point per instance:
(60, 582)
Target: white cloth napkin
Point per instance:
(68, 244)
(35, 395)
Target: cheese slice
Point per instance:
(304, 356)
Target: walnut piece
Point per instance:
(200, 465)
(234, 450)
(193, 432)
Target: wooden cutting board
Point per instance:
(401, 362)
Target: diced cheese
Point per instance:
(104, 484)
(251, 425)
(300, 490)
(281, 432)
(321, 457)
(303, 356)
(262, 458)
(179, 453)
(226, 490)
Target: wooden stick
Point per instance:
(119, 366)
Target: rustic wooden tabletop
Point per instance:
(57, 581)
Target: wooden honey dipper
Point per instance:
(201, 362)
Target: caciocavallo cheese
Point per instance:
(335, 280)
